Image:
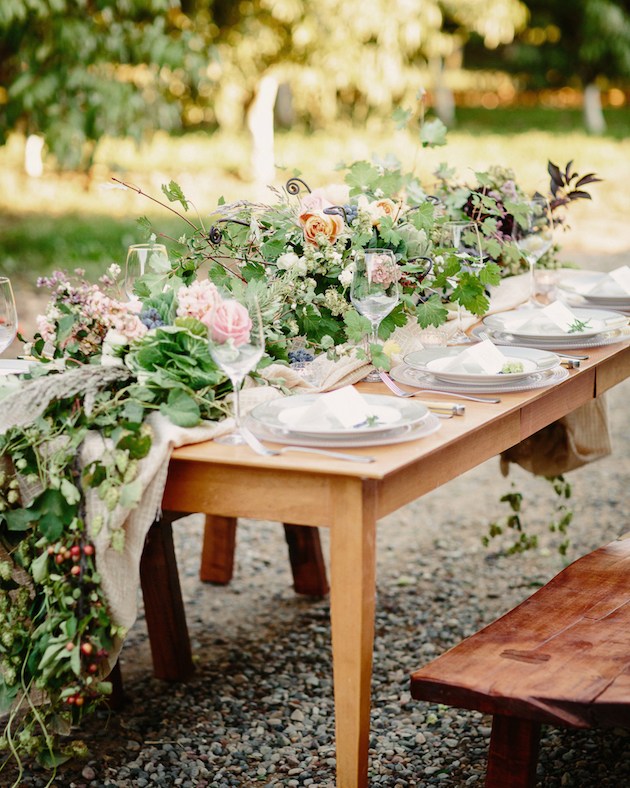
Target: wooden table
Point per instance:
(348, 498)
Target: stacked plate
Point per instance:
(530, 327)
(433, 368)
(593, 289)
(14, 366)
(391, 420)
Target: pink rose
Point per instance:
(325, 197)
(230, 321)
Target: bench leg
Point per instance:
(307, 561)
(513, 753)
(217, 554)
(163, 604)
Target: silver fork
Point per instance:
(395, 388)
(265, 451)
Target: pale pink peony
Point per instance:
(230, 320)
(198, 300)
(325, 197)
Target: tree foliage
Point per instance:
(76, 71)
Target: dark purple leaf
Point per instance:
(579, 195)
(589, 178)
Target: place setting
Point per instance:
(481, 367)
(596, 289)
(343, 418)
(554, 326)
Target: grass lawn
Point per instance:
(66, 220)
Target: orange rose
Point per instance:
(319, 223)
(386, 207)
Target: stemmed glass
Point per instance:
(8, 314)
(236, 343)
(375, 291)
(462, 239)
(140, 257)
(533, 236)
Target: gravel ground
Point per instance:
(259, 711)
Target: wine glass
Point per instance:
(8, 314)
(375, 291)
(236, 343)
(461, 238)
(533, 236)
(140, 257)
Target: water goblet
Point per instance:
(533, 236)
(375, 291)
(461, 238)
(236, 343)
(141, 257)
(8, 314)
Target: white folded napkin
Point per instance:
(620, 278)
(343, 408)
(554, 316)
(479, 358)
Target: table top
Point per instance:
(460, 444)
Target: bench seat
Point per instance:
(562, 657)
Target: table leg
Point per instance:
(217, 554)
(307, 561)
(163, 605)
(352, 604)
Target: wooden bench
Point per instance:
(562, 657)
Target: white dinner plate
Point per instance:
(598, 321)
(426, 427)
(425, 380)
(14, 366)
(287, 416)
(433, 360)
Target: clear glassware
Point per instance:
(461, 238)
(8, 314)
(533, 236)
(375, 291)
(236, 343)
(140, 258)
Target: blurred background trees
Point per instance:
(77, 72)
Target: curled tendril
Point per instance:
(432, 198)
(429, 260)
(215, 235)
(337, 210)
(294, 186)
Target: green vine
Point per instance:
(525, 540)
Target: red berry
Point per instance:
(59, 559)
(51, 550)
(78, 701)
(69, 645)
(70, 699)
(89, 549)
(87, 648)
(76, 570)
(75, 550)
(92, 667)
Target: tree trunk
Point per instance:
(592, 110)
(442, 94)
(260, 124)
(33, 163)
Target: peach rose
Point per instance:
(230, 321)
(320, 223)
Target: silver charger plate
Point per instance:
(599, 340)
(282, 417)
(581, 283)
(425, 380)
(428, 426)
